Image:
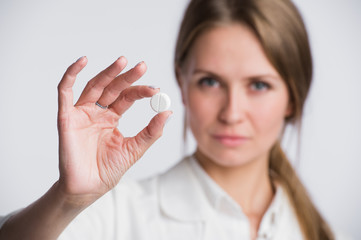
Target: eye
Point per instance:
(260, 86)
(208, 82)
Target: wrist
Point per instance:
(69, 201)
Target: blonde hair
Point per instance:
(281, 31)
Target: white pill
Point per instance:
(160, 102)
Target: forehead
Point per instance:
(230, 49)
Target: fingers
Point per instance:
(130, 95)
(95, 86)
(65, 92)
(112, 91)
(106, 86)
(145, 138)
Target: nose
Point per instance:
(234, 107)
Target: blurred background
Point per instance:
(39, 39)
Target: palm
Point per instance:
(93, 153)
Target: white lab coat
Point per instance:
(183, 203)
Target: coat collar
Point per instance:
(187, 193)
(181, 195)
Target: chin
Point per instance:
(227, 158)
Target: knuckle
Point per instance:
(127, 98)
(61, 89)
(156, 134)
(111, 91)
(147, 133)
(67, 71)
(108, 73)
(90, 84)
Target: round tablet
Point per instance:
(160, 102)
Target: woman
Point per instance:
(244, 69)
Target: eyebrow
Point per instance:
(258, 76)
(200, 71)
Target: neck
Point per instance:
(249, 184)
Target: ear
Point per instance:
(181, 84)
(289, 110)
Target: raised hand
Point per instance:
(93, 153)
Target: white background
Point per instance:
(39, 39)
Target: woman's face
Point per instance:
(236, 102)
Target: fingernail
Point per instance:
(79, 59)
(121, 57)
(153, 87)
(122, 60)
(138, 64)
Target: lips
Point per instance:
(230, 140)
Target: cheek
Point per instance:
(196, 107)
(268, 117)
(201, 109)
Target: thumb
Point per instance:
(145, 138)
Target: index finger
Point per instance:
(95, 86)
(65, 92)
